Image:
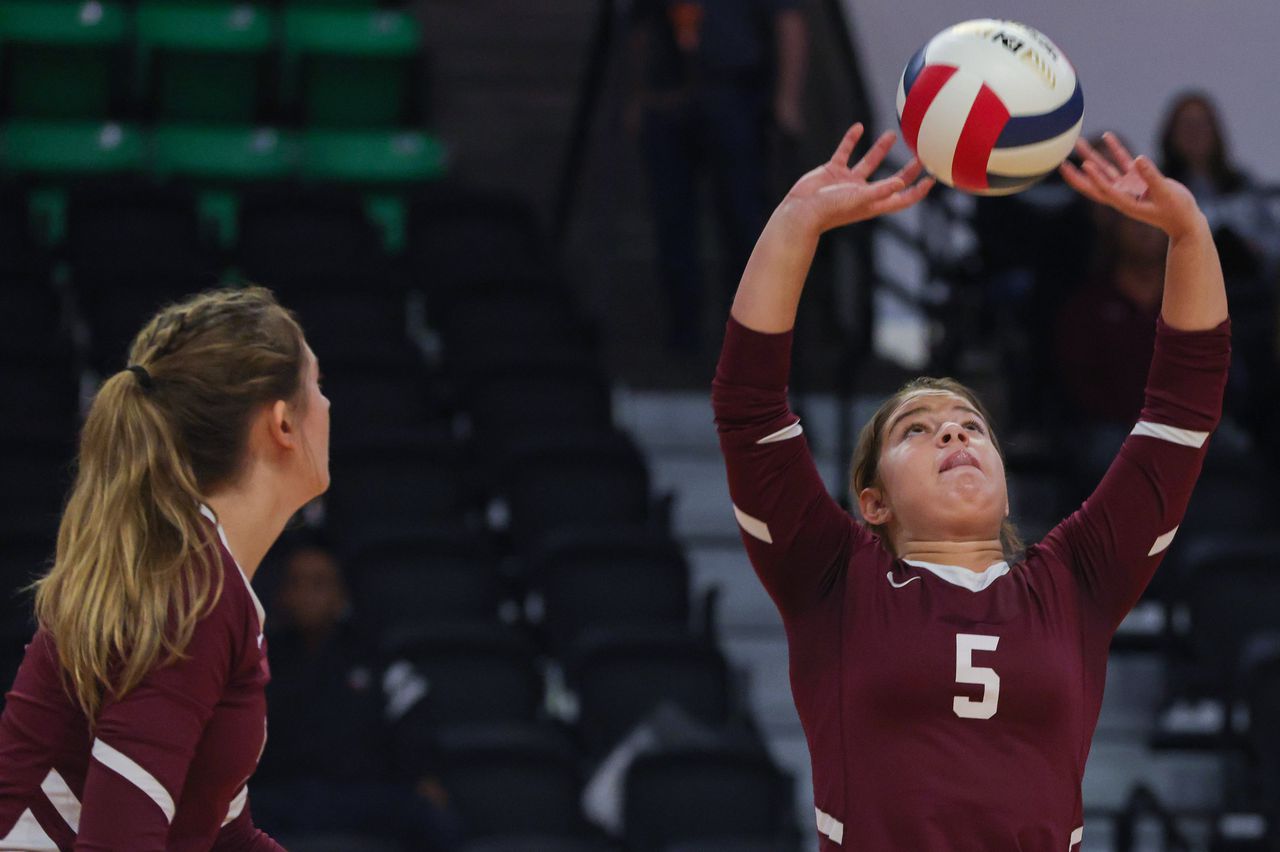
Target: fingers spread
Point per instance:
(904, 199)
(1080, 182)
(845, 149)
(1089, 155)
(869, 163)
(1118, 152)
(1155, 180)
(910, 171)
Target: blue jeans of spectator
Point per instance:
(720, 133)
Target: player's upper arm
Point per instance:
(144, 742)
(37, 721)
(798, 538)
(1117, 538)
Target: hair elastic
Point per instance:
(144, 378)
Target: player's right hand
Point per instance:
(836, 194)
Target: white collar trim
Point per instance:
(222, 536)
(974, 581)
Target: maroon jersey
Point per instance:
(947, 709)
(166, 767)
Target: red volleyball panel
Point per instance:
(929, 81)
(987, 117)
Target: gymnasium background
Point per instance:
(547, 622)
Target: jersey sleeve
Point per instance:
(240, 835)
(1115, 541)
(797, 537)
(37, 720)
(144, 742)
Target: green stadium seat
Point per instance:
(371, 156)
(54, 152)
(62, 60)
(70, 149)
(212, 153)
(204, 62)
(351, 67)
(220, 160)
(384, 162)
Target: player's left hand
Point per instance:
(1134, 186)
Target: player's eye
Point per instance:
(914, 429)
(974, 425)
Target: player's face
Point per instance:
(315, 427)
(942, 477)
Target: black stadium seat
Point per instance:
(692, 796)
(1263, 695)
(426, 578)
(458, 237)
(381, 404)
(538, 843)
(513, 782)
(570, 480)
(389, 490)
(593, 579)
(293, 240)
(132, 248)
(513, 403)
(1233, 592)
(46, 400)
(622, 676)
(524, 315)
(475, 673)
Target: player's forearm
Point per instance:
(1195, 296)
(769, 292)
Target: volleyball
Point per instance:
(990, 107)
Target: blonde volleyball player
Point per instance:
(138, 714)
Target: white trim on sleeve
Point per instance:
(1172, 434)
(27, 835)
(126, 768)
(754, 527)
(783, 434)
(830, 826)
(237, 804)
(63, 800)
(1162, 542)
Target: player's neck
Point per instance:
(253, 518)
(973, 555)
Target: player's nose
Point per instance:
(951, 433)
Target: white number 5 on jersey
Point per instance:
(967, 672)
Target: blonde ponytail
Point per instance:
(136, 565)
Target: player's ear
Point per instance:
(281, 425)
(874, 508)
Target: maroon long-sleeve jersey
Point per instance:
(947, 709)
(165, 767)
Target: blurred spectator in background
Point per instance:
(328, 765)
(707, 81)
(1034, 247)
(1105, 337)
(1194, 149)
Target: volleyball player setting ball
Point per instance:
(948, 680)
(138, 713)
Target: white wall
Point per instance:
(1132, 57)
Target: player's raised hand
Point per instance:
(1134, 186)
(836, 193)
